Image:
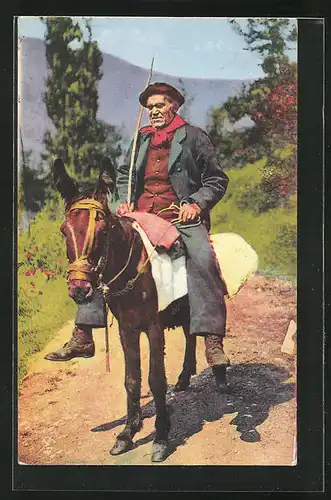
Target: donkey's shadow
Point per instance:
(254, 389)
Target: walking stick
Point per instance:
(107, 340)
(136, 137)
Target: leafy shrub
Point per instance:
(257, 199)
(271, 233)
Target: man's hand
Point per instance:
(189, 211)
(124, 208)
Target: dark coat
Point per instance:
(194, 171)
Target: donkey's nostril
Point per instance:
(80, 295)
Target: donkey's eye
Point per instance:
(100, 217)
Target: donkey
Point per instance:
(101, 244)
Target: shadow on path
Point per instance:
(254, 389)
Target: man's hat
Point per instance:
(161, 88)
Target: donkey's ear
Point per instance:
(107, 177)
(66, 186)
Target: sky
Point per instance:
(187, 47)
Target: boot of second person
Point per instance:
(80, 345)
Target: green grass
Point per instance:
(43, 301)
(40, 316)
(272, 234)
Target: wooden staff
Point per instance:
(136, 137)
(107, 339)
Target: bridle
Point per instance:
(81, 268)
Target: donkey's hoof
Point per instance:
(121, 446)
(219, 372)
(160, 451)
(223, 388)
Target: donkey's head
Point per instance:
(85, 227)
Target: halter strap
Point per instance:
(87, 204)
(80, 268)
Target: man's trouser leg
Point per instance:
(89, 315)
(206, 298)
(205, 286)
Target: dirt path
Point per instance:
(70, 413)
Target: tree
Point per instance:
(271, 103)
(71, 99)
(235, 146)
(32, 185)
(268, 37)
(60, 32)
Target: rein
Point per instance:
(131, 282)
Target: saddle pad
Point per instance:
(236, 258)
(169, 275)
(160, 232)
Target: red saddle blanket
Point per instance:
(160, 232)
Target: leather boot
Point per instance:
(214, 350)
(80, 345)
(217, 359)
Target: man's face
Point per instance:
(161, 111)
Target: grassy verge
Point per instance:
(46, 314)
(43, 302)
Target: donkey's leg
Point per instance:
(158, 384)
(131, 349)
(190, 363)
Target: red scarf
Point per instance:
(164, 135)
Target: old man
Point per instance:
(175, 162)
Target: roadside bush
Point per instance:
(271, 233)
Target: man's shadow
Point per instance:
(254, 389)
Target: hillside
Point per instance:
(118, 92)
(271, 233)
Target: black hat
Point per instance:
(161, 88)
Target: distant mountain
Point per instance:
(118, 94)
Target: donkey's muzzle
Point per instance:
(80, 291)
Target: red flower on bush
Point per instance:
(27, 273)
(28, 255)
(41, 269)
(49, 273)
(36, 249)
(32, 283)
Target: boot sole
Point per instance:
(71, 357)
